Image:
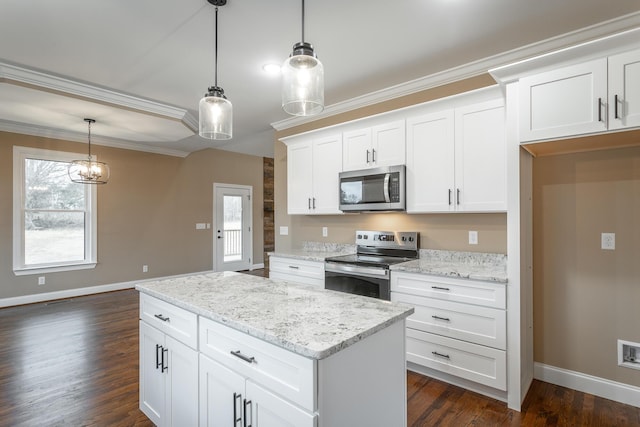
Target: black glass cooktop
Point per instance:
(368, 260)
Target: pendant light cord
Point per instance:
(302, 21)
(216, 49)
(89, 124)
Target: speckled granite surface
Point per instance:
(468, 265)
(317, 251)
(312, 322)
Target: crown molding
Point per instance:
(471, 69)
(65, 135)
(39, 80)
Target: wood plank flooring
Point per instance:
(75, 363)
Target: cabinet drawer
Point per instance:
(457, 290)
(296, 270)
(478, 325)
(285, 373)
(474, 362)
(173, 321)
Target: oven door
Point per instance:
(368, 281)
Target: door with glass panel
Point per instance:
(232, 227)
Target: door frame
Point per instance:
(216, 187)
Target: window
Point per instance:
(54, 219)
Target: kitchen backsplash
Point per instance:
(328, 247)
(472, 258)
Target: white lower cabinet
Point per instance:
(458, 327)
(297, 270)
(168, 379)
(230, 399)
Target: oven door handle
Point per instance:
(334, 267)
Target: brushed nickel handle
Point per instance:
(161, 317)
(446, 319)
(446, 356)
(247, 359)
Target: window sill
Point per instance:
(52, 269)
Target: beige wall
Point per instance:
(441, 231)
(146, 214)
(586, 298)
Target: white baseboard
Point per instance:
(71, 293)
(256, 266)
(612, 390)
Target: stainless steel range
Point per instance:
(367, 271)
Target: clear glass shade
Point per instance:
(302, 85)
(89, 172)
(216, 117)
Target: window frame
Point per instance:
(20, 154)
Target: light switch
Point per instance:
(284, 230)
(473, 237)
(201, 226)
(325, 231)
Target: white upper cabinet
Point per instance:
(567, 101)
(430, 162)
(624, 90)
(456, 160)
(376, 146)
(589, 97)
(481, 157)
(313, 166)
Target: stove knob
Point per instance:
(359, 236)
(411, 239)
(404, 239)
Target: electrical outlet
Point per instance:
(325, 231)
(41, 280)
(145, 268)
(284, 230)
(629, 354)
(201, 226)
(473, 237)
(608, 241)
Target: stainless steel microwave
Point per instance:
(377, 189)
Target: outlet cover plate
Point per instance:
(608, 241)
(473, 237)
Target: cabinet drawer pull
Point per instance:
(247, 359)
(441, 318)
(236, 418)
(440, 288)
(295, 267)
(161, 317)
(435, 353)
(248, 403)
(615, 107)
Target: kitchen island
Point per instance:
(269, 353)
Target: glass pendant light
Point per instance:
(302, 80)
(89, 171)
(216, 112)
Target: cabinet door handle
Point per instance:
(309, 202)
(295, 267)
(158, 363)
(367, 156)
(247, 359)
(165, 367)
(236, 418)
(161, 317)
(615, 107)
(440, 288)
(250, 417)
(446, 319)
(457, 196)
(373, 156)
(435, 353)
(450, 197)
(314, 202)
(599, 109)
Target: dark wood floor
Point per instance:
(75, 363)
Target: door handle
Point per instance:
(236, 418)
(158, 363)
(247, 403)
(165, 367)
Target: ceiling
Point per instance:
(140, 67)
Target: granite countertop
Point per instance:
(469, 265)
(317, 251)
(312, 322)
